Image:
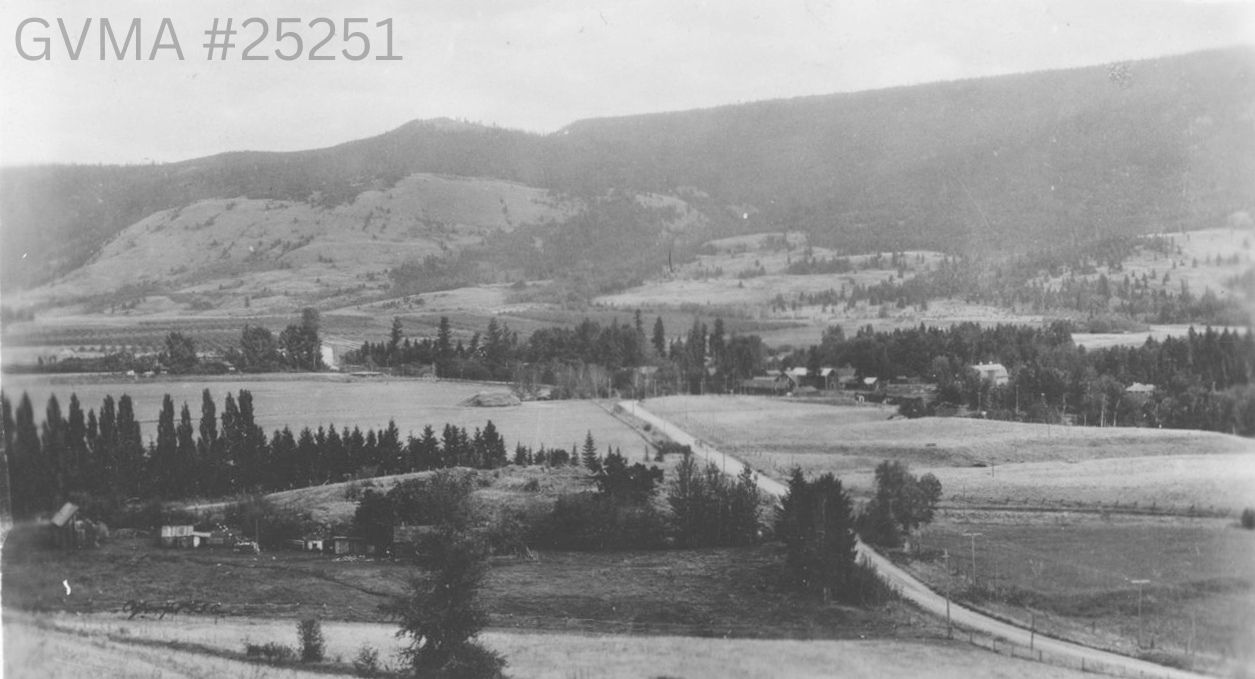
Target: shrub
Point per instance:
(1248, 518)
(367, 661)
(310, 632)
(473, 661)
(595, 521)
(272, 652)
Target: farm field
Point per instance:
(311, 400)
(542, 655)
(775, 434)
(1179, 484)
(1072, 576)
(1062, 559)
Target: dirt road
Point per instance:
(919, 593)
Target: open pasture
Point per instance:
(311, 400)
(1075, 576)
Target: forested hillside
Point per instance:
(1008, 163)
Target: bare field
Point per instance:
(312, 400)
(541, 655)
(1072, 576)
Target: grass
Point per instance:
(1072, 576)
(62, 645)
(716, 592)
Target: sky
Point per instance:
(527, 64)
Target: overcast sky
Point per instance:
(531, 64)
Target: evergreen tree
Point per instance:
(494, 447)
(187, 466)
(27, 466)
(130, 450)
(163, 462)
(55, 453)
(106, 451)
(589, 456)
(231, 442)
(660, 338)
(391, 459)
(444, 342)
(77, 459)
(394, 337)
(426, 451)
(816, 523)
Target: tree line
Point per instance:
(296, 347)
(587, 359)
(1202, 380)
(102, 455)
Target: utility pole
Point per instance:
(949, 626)
(1139, 584)
(973, 536)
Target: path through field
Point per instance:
(919, 593)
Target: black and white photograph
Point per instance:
(627, 339)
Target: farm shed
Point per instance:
(349, 544)
(992, 372)
(180, 536)
(71, 531)
(308, 544)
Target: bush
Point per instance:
(275, 525)
(367, 661)
(473, 661)
(594, 521)
(310, 632)
(272, 652)
(1248, 518)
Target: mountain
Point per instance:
(999, 164)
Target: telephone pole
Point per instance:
(1139, 584)
(973, 536)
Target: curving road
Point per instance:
(916, 591)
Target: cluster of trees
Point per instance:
(902, 503)
(818, 526)
(296, 347)
(1016, 282)
(1202, 380)
(619, 514)
(710, 509)
(103, 454)
(584, 359)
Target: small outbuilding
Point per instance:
(992, 372)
